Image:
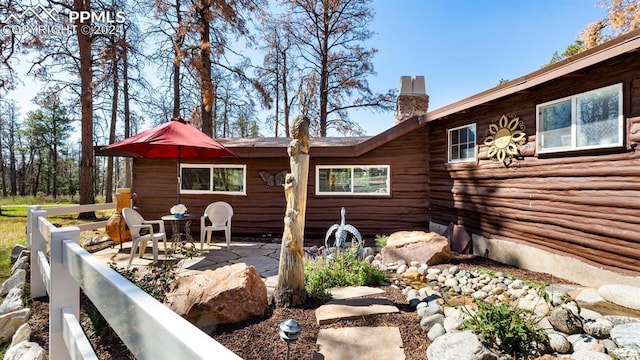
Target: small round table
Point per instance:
(176, 235)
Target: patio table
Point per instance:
(176, 234)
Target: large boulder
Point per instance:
(226, 295)
(430, 248)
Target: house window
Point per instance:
(213, 179)
(584, 121)
(353, 180)
(462, 143)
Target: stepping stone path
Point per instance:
(363, 342)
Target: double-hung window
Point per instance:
(462, 143)
(353, 179)
(213, 179)
(589, 120)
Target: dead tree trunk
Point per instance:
(290, 290)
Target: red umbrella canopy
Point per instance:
(176, 140)
(173, 140)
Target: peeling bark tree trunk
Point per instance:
(87, 180)
(290, 290)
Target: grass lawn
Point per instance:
(13, 221)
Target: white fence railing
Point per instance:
(148, 328)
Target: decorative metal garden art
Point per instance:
(505, 138)
(340, 232)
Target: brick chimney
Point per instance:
(413, 99)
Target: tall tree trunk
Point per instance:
(13, 180)
(177, 60)
(3, 177)
(214, 111)
(114, 117)
(324, 77)
(285, 95)
(21, 179)
(127, 113)
(290, 290)
(207, 91)
(54, 156)
(277, 101)
(36, 178)
(87, 195)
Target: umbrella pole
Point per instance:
(179, 175)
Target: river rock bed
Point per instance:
(443, 295)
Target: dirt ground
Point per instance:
(258, 338)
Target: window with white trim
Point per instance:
(353, 179)
(213, 179)
(462, 143)
(589, 120)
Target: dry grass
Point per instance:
(12, 230)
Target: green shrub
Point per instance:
(381, 240)
(507, 329)
(345, 270)
(157, 282)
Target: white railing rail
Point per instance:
(148, 328)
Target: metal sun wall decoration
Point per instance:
(505, 138)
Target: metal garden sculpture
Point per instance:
(340, 232)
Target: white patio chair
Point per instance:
(219, 214)
(135, 222)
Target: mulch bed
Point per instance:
(258, 338)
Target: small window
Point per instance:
(462, 143)
(213, 179)
(352, 180)
(584, 121)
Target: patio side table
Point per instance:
(176, 234)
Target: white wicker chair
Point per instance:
(219, 214)
(135, 222)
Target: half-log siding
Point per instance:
(581, 203)
(261, 211)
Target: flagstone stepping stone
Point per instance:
(359, 343)
(348, 292)
(248, 252)
(262, 263)
(347, 309)
(623, 295)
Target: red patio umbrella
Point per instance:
(173, 140)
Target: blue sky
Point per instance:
(464, 47)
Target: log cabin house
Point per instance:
(548, 162)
